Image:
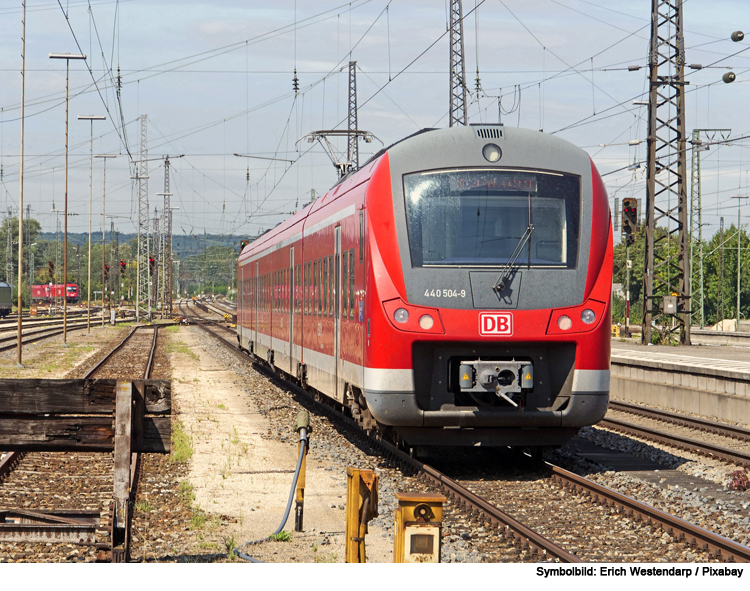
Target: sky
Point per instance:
(215, 79)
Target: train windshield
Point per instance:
(480, 217)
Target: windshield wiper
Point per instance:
(508, 268)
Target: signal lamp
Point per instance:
(492, 153)
(588, 316)
(564, 322)
(401, 316)
(426, 322)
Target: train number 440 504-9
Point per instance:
(444, 293)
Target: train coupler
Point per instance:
(505, 378)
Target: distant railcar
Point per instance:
(6, 299)
(50, 293)
(455, 290)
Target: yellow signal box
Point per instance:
(419, 524)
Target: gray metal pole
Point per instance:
(20, 190)
(739, 252)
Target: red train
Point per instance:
(47, 293)
(455, 290)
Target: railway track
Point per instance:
(546, 539)
(34, 333)
(728, 443)
(58, 481)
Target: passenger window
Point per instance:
(351, 283)
(330, 285)
(325, 286)
(345, 284)
(315, 288)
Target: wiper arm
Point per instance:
(508, 268)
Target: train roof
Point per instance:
(528, 145)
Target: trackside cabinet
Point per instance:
(419, 523)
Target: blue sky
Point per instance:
(215, 79)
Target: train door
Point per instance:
(290, 305)
(338, 392)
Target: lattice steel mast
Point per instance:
(352, 152)
(167, 251)
(666, 279)
(457, 110)
(154, 279)
(142, 305)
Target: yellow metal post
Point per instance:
(361, 506)
(303, 428)
(419, 524)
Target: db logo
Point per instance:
(495, 324)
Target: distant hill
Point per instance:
(182, 245)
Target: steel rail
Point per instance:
(9, 462)
(512, 529)
(109, 355)
(135, 458)
(693, 445)
(679, 529)
(34, 330)
(48, 333)
(149, 365)
(709, 426)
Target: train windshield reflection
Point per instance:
(478, 217)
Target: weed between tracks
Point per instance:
(180, 347)
(182, 443)
(199, 519)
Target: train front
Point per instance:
(489, 305)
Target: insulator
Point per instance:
(729, 77)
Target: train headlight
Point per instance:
(564, 322)
(426, 322)
(401, 316)
(588, 316)
(492, 152)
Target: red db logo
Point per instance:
(495, 324)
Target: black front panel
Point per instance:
(437, 379)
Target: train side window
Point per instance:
(351, 283)
(306, 294)
(315, 288)
(321, 288)
(345, 285)
(325, 286)
(297, 289)
(330, 285)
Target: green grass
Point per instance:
(172, 328)
(182, 443)
(282, 536)
(186, 492)
(144, 507)
(180, 347)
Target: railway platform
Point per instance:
(705, 380)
